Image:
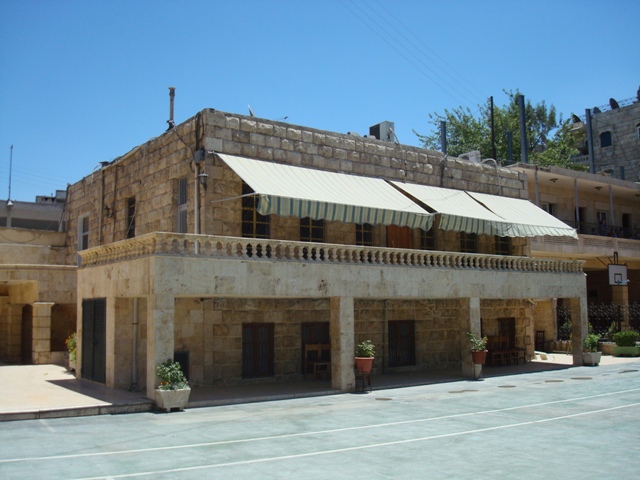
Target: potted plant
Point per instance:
(72, 344)
(173, 391)
(478, 348)
(365, 352)
(626, 344)
(591, 355)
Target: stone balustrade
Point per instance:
(207, 246)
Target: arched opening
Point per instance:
(27, 334)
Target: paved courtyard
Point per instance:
(574, 423)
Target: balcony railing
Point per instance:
(215, 247)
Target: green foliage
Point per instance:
(591, 342)
(564, 332)
(171, 376)
(550, 140)
(365, 349)
(477, 344)
(613, 329)
(72, 344)
(626, 339)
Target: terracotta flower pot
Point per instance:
(364, 364)
(479, 357)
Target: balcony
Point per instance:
(270, 250)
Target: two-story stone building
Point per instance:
(231, 242)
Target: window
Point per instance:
(503, 245)
(83, 232)
(311, 230)
(468, 242)
(550, 208)
(402, 343)
(428, 239)
(257, 350)
(182, 205)
(638, 131)
(131, 217)
(364, 235)
(254, 225)
(605, 139)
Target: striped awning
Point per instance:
(485, 214)
(526, 219)
(288, 190)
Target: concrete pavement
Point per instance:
(50, 391)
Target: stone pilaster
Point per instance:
(160, 335)
(342, 346)
(579, 327)
(4, 326)
(620, 296)
(469, 322)
(41, 345)
(110, 353)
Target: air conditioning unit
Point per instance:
(473, 156)
(384, 131)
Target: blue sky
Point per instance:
(83, 82)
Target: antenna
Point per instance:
(10, 168)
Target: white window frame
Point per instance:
(83, 235)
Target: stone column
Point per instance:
(469, 322)
(4, 327)
(620, 296)
(342, 346)
(160, 335)
(579, 327)
(14, 332)
(41, 349)
(110, 353)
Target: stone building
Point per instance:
(606, 213)
(230, 242)
(37, 287)
(616, 139)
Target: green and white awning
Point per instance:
(526, 219)
(485, 214)
(288, 190)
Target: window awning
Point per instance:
(486, 214)
(288, 190)
(526, 219)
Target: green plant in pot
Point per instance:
(478, 348)
(72, 347)
(173, 390)
(365, 353)
(591, 355)
(626, 344)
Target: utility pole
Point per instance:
(493, 132)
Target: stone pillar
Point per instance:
(14, 332)
(160, 335)
(620, 296)
(41, 349)
(110, 353)
(342, 343)
(469, 322)
(579, 327)
(4, 327)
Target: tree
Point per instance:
(550, 140)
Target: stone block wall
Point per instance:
(150, 172)
(520, 310)
(624, 151)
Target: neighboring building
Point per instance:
(43, 214)
(230, 242)
(37, 288)
(606, 213)
(616, 139)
